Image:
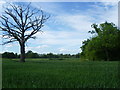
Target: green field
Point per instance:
(68, 73)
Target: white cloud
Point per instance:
(60, 37)
(2, 2)
(42, 46)
(76, 22)
(56, 40)
(64, 50)
(0, 36)
(104, 11)
(108, 1)
(1, 5)
(9, 45)
(36, 48)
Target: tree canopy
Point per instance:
(104, 45)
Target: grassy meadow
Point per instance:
(67, 73)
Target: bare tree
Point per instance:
(17, 21)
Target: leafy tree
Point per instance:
(84, 44)
(17, 21)
(31, 54)
(93, 50)
(105, 44)
(108, 36)
(8, 55)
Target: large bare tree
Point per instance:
(17, 21)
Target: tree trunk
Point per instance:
(22, 51)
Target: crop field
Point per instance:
(54, 73)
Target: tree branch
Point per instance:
(17, 21)
(8, 42)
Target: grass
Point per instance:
(68, 73)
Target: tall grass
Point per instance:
(69, 73)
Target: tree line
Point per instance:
(104, 43)
(31, 54)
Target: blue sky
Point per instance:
(68, 25)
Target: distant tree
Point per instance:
(77, 55)
(31, 54)
(17, 21)
(50, 55)
(16, 55)
(8, 55)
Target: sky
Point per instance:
(67, 26)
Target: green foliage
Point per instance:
(68, 73)
(31, 54)
(82, 54)
(105, 44)
(9, 55)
